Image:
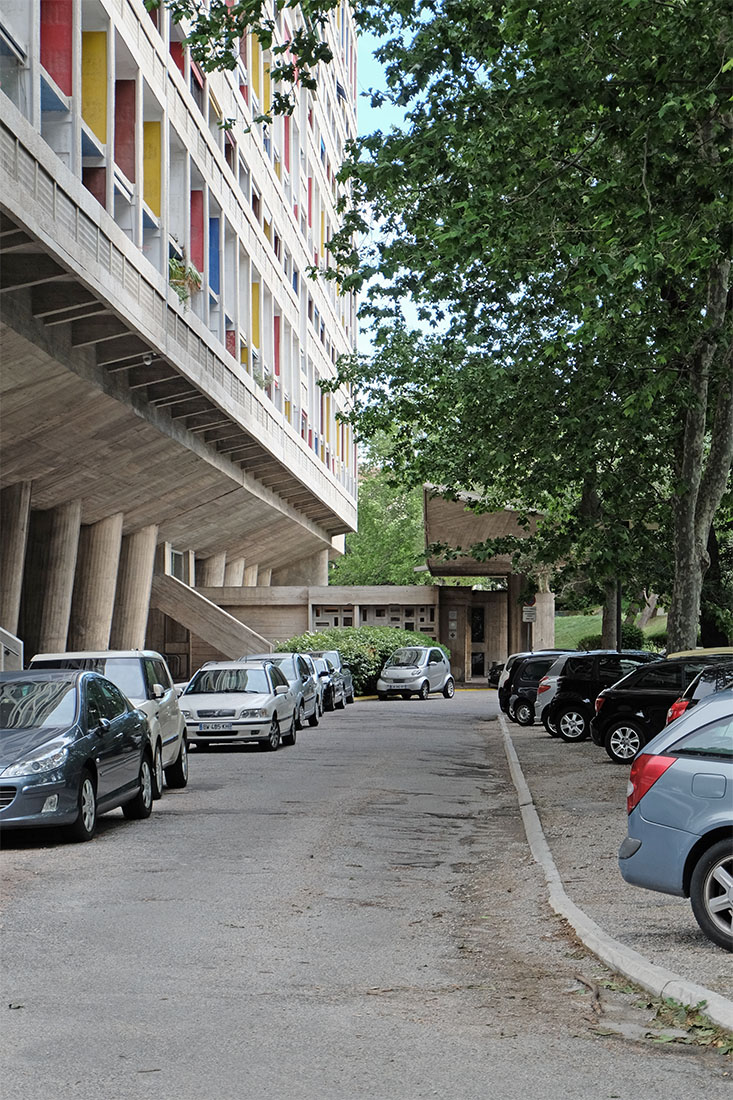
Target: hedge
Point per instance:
(363, 648)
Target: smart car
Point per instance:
(416, 670)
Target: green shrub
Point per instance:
(363, 648)
(632, 637)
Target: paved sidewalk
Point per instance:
(580, 801)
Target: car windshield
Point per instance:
(32, 704)
(285, 664)
(222, 681)
(405, 658)
(125, 672)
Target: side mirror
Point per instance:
(103, 725)
(158, 691)
(281, 689)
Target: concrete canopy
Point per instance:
(453, 523)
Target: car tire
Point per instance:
(708, 893)
(405, 695)
(86, 823)
(291, 736)
(450, 688)
(176, 774)
(328, 702)
(141, 805)
(550, 727)
(572, 724)
(272, 744)
(424, 690)
(350, 698)
(622, 741)
(524, 713)
(299, 719)
(157, 772)
(341, 705)
(313, 720)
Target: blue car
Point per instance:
(71, 747)
(680, 805)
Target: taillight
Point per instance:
(678, 707)
(600, 700)
(645, 771)
(544, 685)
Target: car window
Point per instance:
(115, 703)
(715, 739)
(224, 681)
(579, 667)
(30, 704)
(659, 675)
(709, 681)
(162, 674)
(151, 676)
(279, 679)
(101, 704)
(127, 673)
(303, 669)
(535, 670)
(436, 657)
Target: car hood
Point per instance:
(16, 745)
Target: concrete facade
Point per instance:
(154, 428)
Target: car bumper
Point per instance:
(37, 803)
(597, 732)
(238, 732)
(396, 686)
(653, 856)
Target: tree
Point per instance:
(390, 541)
(557, 207)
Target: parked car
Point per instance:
(567, 693)
(332, 683)
(334, 657)
(712, 678)
(143, 677)
(680, 825)
(235, 702)
(317, 681)
(298, 674)
(416, 670)
(522, 686)
(71, 748)
(504, 685)
(494, 674)
(634, 710)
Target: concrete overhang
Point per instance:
(453, 523)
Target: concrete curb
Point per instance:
(656, 979)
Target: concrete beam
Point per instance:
(28, 269)
(96, 330)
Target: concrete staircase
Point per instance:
(202, 617)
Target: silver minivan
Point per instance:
(416, 670)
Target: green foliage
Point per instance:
(363, 648)
(632, 637)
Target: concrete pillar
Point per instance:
(95, 585)
(15, 511)
(250, 576)
(515, 641)
(312, 571)
(58, 584)
(543, 635)
(210, 571)
(264, 577)
(234, 573)
(134, 579)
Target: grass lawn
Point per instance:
(569, 629)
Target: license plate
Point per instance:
(212, 727)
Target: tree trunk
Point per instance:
(609, 637)
(650, 609)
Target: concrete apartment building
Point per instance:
(161, 343)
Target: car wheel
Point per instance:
(273, 740)
(341, 703)
(550, 727)
(157, 772)
(405, 695)
(711, 893)
(450, 689)
(86, 823)
(328, 701)
(300, 718)
(622, 742)
(290, 737)
(572, 724)
(313, 720)
(176, 775)
(350, 697)
(424, 690)
(142, 804)
(524, 713)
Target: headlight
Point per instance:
(186, 713)
(46, 759)
(259, 713)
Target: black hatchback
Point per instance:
(634, 710)
(523, 682)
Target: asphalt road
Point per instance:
(356, 916)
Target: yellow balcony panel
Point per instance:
(94, 82)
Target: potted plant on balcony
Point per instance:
(184, 278)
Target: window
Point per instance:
(659, 675)
(715, 739)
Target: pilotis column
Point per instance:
(96, 581)
(250, 576)
(210, 571)
(234, 573)
(15, 510)
(134, 581)
(62, 550)
(264, 577)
